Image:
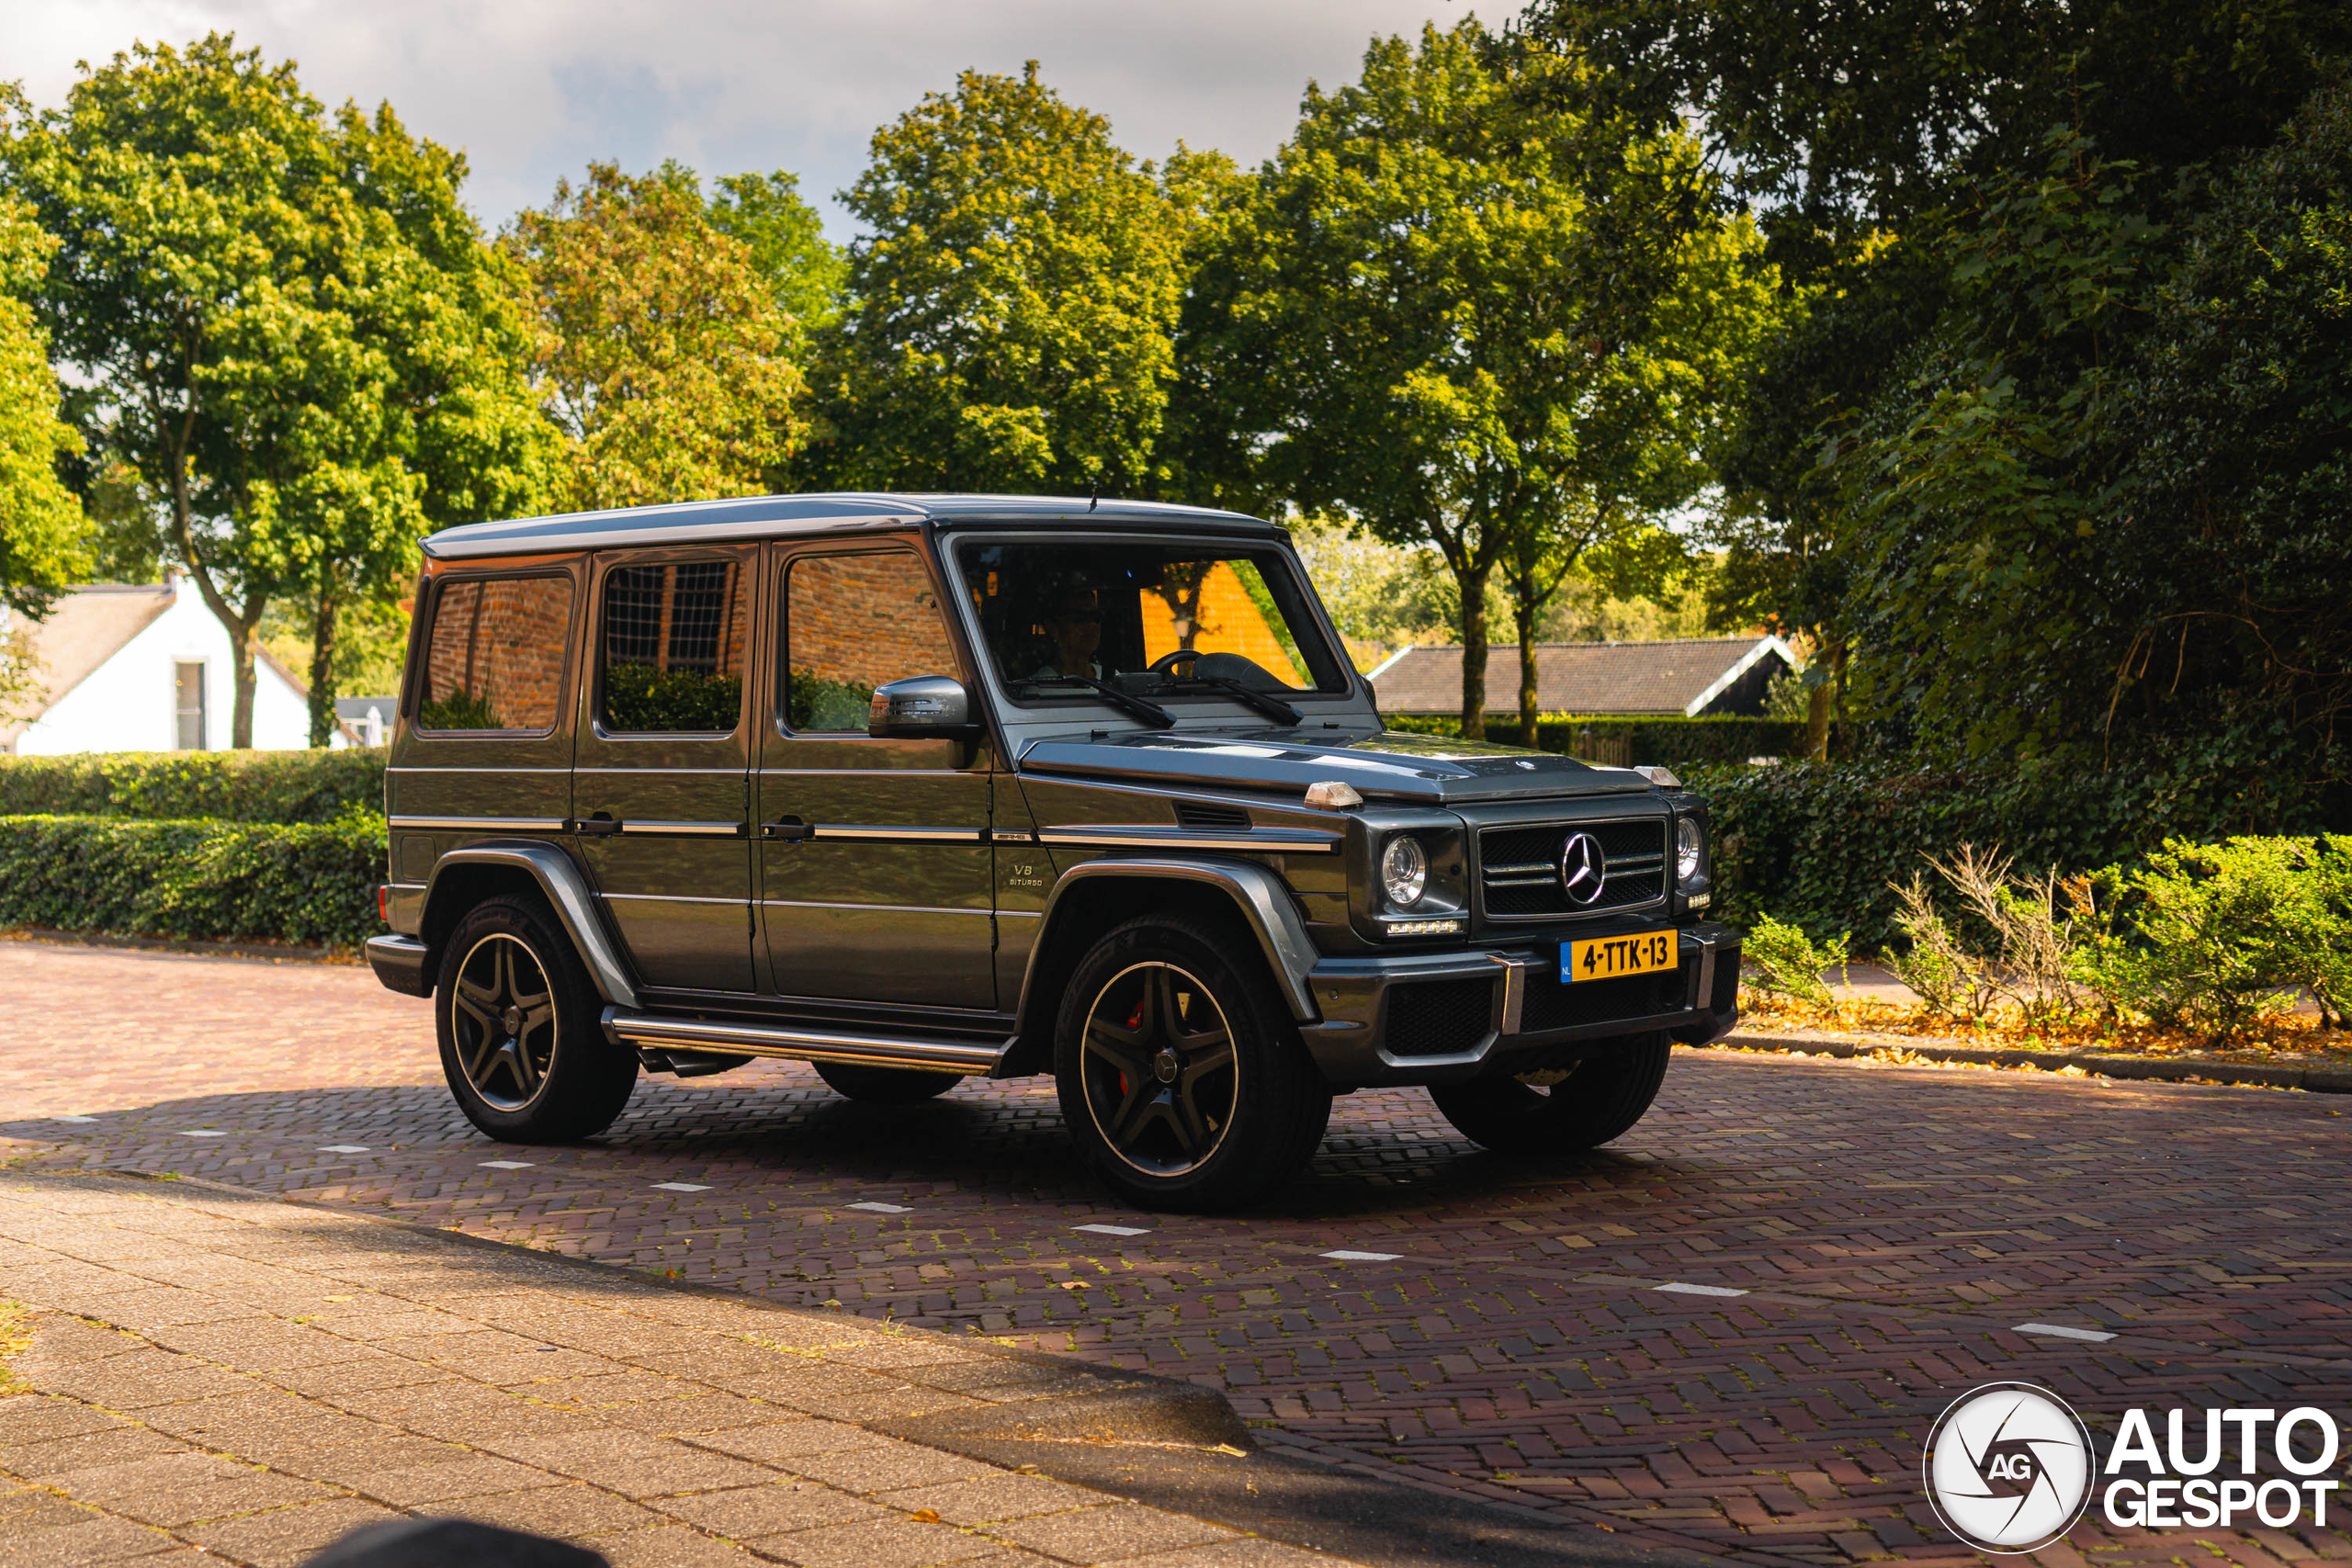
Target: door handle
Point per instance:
(791, 830)
(601, 823)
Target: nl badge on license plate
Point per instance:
(1608, 957)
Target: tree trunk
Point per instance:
(240, 627)
(240, 717)
(1472, 583)
(322, 629)
(1522, 615)
(1821, 703)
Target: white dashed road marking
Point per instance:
(202, 1133)
(1115, 1230)
(343, 1148)
(73, 1118)
(881, 1208)
(1346, 1256)
(2061, 1331)
(508, 1164)
(683, 1186)
(1679, 1288)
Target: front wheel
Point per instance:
(1600, 1098)
(521, 1045)
(1179, 1072)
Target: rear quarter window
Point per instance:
(494, 659)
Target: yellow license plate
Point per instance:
(1607, 957)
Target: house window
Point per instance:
(187, 697)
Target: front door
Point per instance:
(661, 776)
(874, 858)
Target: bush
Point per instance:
(1649, 740)
(1782, 959)
(312, 882)
(1825, 846)
(2217, 937)
(239, 786)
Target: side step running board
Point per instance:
(658, 1031)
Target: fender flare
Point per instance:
(567, 893)
(1259, 895)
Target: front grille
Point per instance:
(1548, 1004)
(1209, 814)
(1437, 1017)
(1520, 867)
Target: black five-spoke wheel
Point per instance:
(1162, 1076)
(505, 1022)
(1180, 1068)
(517, 1014)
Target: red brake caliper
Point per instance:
(1134, 1020)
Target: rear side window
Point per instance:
(495, 663)
(852, 623)
(674, 647)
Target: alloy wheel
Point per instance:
(504, 1012)
(1160, 1074)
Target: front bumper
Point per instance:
(1446, 1016)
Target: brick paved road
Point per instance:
(1890, 1226)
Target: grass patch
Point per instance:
(16, 1338)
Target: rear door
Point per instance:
(660, 775)
(875, 872)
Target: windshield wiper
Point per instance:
(1151, 714)
(1248, 696)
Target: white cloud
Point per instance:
(532, 89)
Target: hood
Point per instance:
(1418, 769)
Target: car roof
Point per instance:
(785, 516)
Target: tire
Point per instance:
(885, 1086)
(1600, 1099)
(522, 1045)
(1179, 1072)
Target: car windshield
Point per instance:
(1063, 621)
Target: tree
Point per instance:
(278, 324)
(1449, 326)
(1011, 300)
(663, 355)
(43, 543)
(787, 239)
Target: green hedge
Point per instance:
(1816, 845)
(1672, 742)
(239, 786)
(309, 882)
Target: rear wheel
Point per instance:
(1180, 1071)
(521, 1045)
(1600, 1098)
(885, 1086)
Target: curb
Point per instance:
(277, 952)
(2315, 1080)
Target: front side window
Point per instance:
(1154, 620)
(495, 658)
(852, 623)
(674, 647)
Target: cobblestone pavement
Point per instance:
(1891, 1230)
(231, 1378)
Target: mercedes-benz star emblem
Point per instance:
(1584, 870)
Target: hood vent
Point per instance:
(1202, 814)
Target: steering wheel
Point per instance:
(1167, 661)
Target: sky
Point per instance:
(532, 89)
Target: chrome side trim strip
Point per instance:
(636, 829)
(664, 898)
(479, 824)
(1253, 841)
(634, 1028)
(901, 908)
(863, 834)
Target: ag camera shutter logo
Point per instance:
(2009, 1467)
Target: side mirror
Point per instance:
(923, 707)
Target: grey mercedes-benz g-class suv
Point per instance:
(915, 788)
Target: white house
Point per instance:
(146, 668)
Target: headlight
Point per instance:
(1689, 849)
(1404, 871)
